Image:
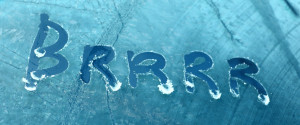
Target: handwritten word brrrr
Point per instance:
(98, 57)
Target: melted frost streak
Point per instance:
(35, 74)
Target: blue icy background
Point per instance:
(266, 31)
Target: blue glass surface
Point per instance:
(131, 62)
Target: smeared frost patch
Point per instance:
(234, 94)
(39, 54)
(167, 90)
(117, 86)
(31, 88)
(35, 77)
(266, 99)
(25, 80)
(189, 84)
(215, 96)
